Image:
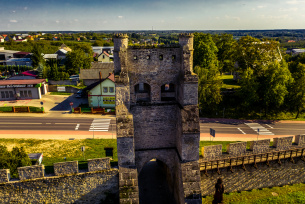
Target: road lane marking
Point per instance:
(269, 126)
(262, 130)
(241, 131)
(100, 124)
(77, 126)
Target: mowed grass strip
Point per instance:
(288, 194)
(56, 150)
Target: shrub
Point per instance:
(11, 160)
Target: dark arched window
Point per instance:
(142, 92)
(168, 92)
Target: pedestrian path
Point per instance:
(100, 124)
(259, 128)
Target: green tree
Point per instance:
(37, 57)
(14, 159)
(296, 97)
(226, 54)
(77, 59)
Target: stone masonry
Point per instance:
(300, 140)
(4, 175)
(31, 172)
(282, 143)
(157, 116)
(237, 148)
(211, 152)
(260, 146)
(63, 168)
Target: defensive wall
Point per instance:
(260, 166)
(67, 185)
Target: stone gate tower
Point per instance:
(157, 116)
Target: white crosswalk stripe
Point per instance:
(100, 124)
(262, 130)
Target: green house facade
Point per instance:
(103, 94)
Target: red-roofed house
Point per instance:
(103, 57)
(22, 89)
(103, 93)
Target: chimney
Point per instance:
(100, 73)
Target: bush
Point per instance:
(11, 160)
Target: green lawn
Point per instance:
(56, 150)
(277, 195)
(228, 82)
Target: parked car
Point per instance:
(79, 94)
(74, 77)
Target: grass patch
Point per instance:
(228, 82)
(56, 150)
(286, 194)
(60, 93)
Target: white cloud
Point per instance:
(233, 17)
(120, 17)
(13, 21)
(76, 20)
(14, 11)
(296, 2)
(280, 17)
(261, 7)
(25, 8)
(57, 21)
(288, 9)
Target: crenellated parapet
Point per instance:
(300, 140)
(31, 172)
(60, 169)
(4, 175)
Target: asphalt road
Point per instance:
(85, 124)
(50, 123)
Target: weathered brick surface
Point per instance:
(300, 140)
(63, 168)
(260, 146)
(99, 164)
(126, 151)
(31, 172)
(155, 126)
(90, 187)
(237, 149)
(252, 178)
(282, 143)
(191, 182)
(128, 185)
(211, 152)
(4, 175)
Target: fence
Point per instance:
(252, 159)
(93, 110)
(22, 109)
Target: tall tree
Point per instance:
(77, 59)
(296, 97)
(37, 57)
(226, 54)
(206, 67)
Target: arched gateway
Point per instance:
(163, 127)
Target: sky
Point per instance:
(87, 15)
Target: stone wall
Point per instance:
(4, 175)
(262, 177)
(282, 143)
(211, 152)
(156, 126)
(260, 146)
(88, 187)
(238, 148)
(300, 140)
(99, 164)
(31, 172)
(63, 168)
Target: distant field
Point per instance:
(228, 82)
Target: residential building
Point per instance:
(102, 95)
(97, 72)
(103, 57)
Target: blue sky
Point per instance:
(77, 15)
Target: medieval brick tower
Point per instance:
(157, 116)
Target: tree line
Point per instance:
(270, 82)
